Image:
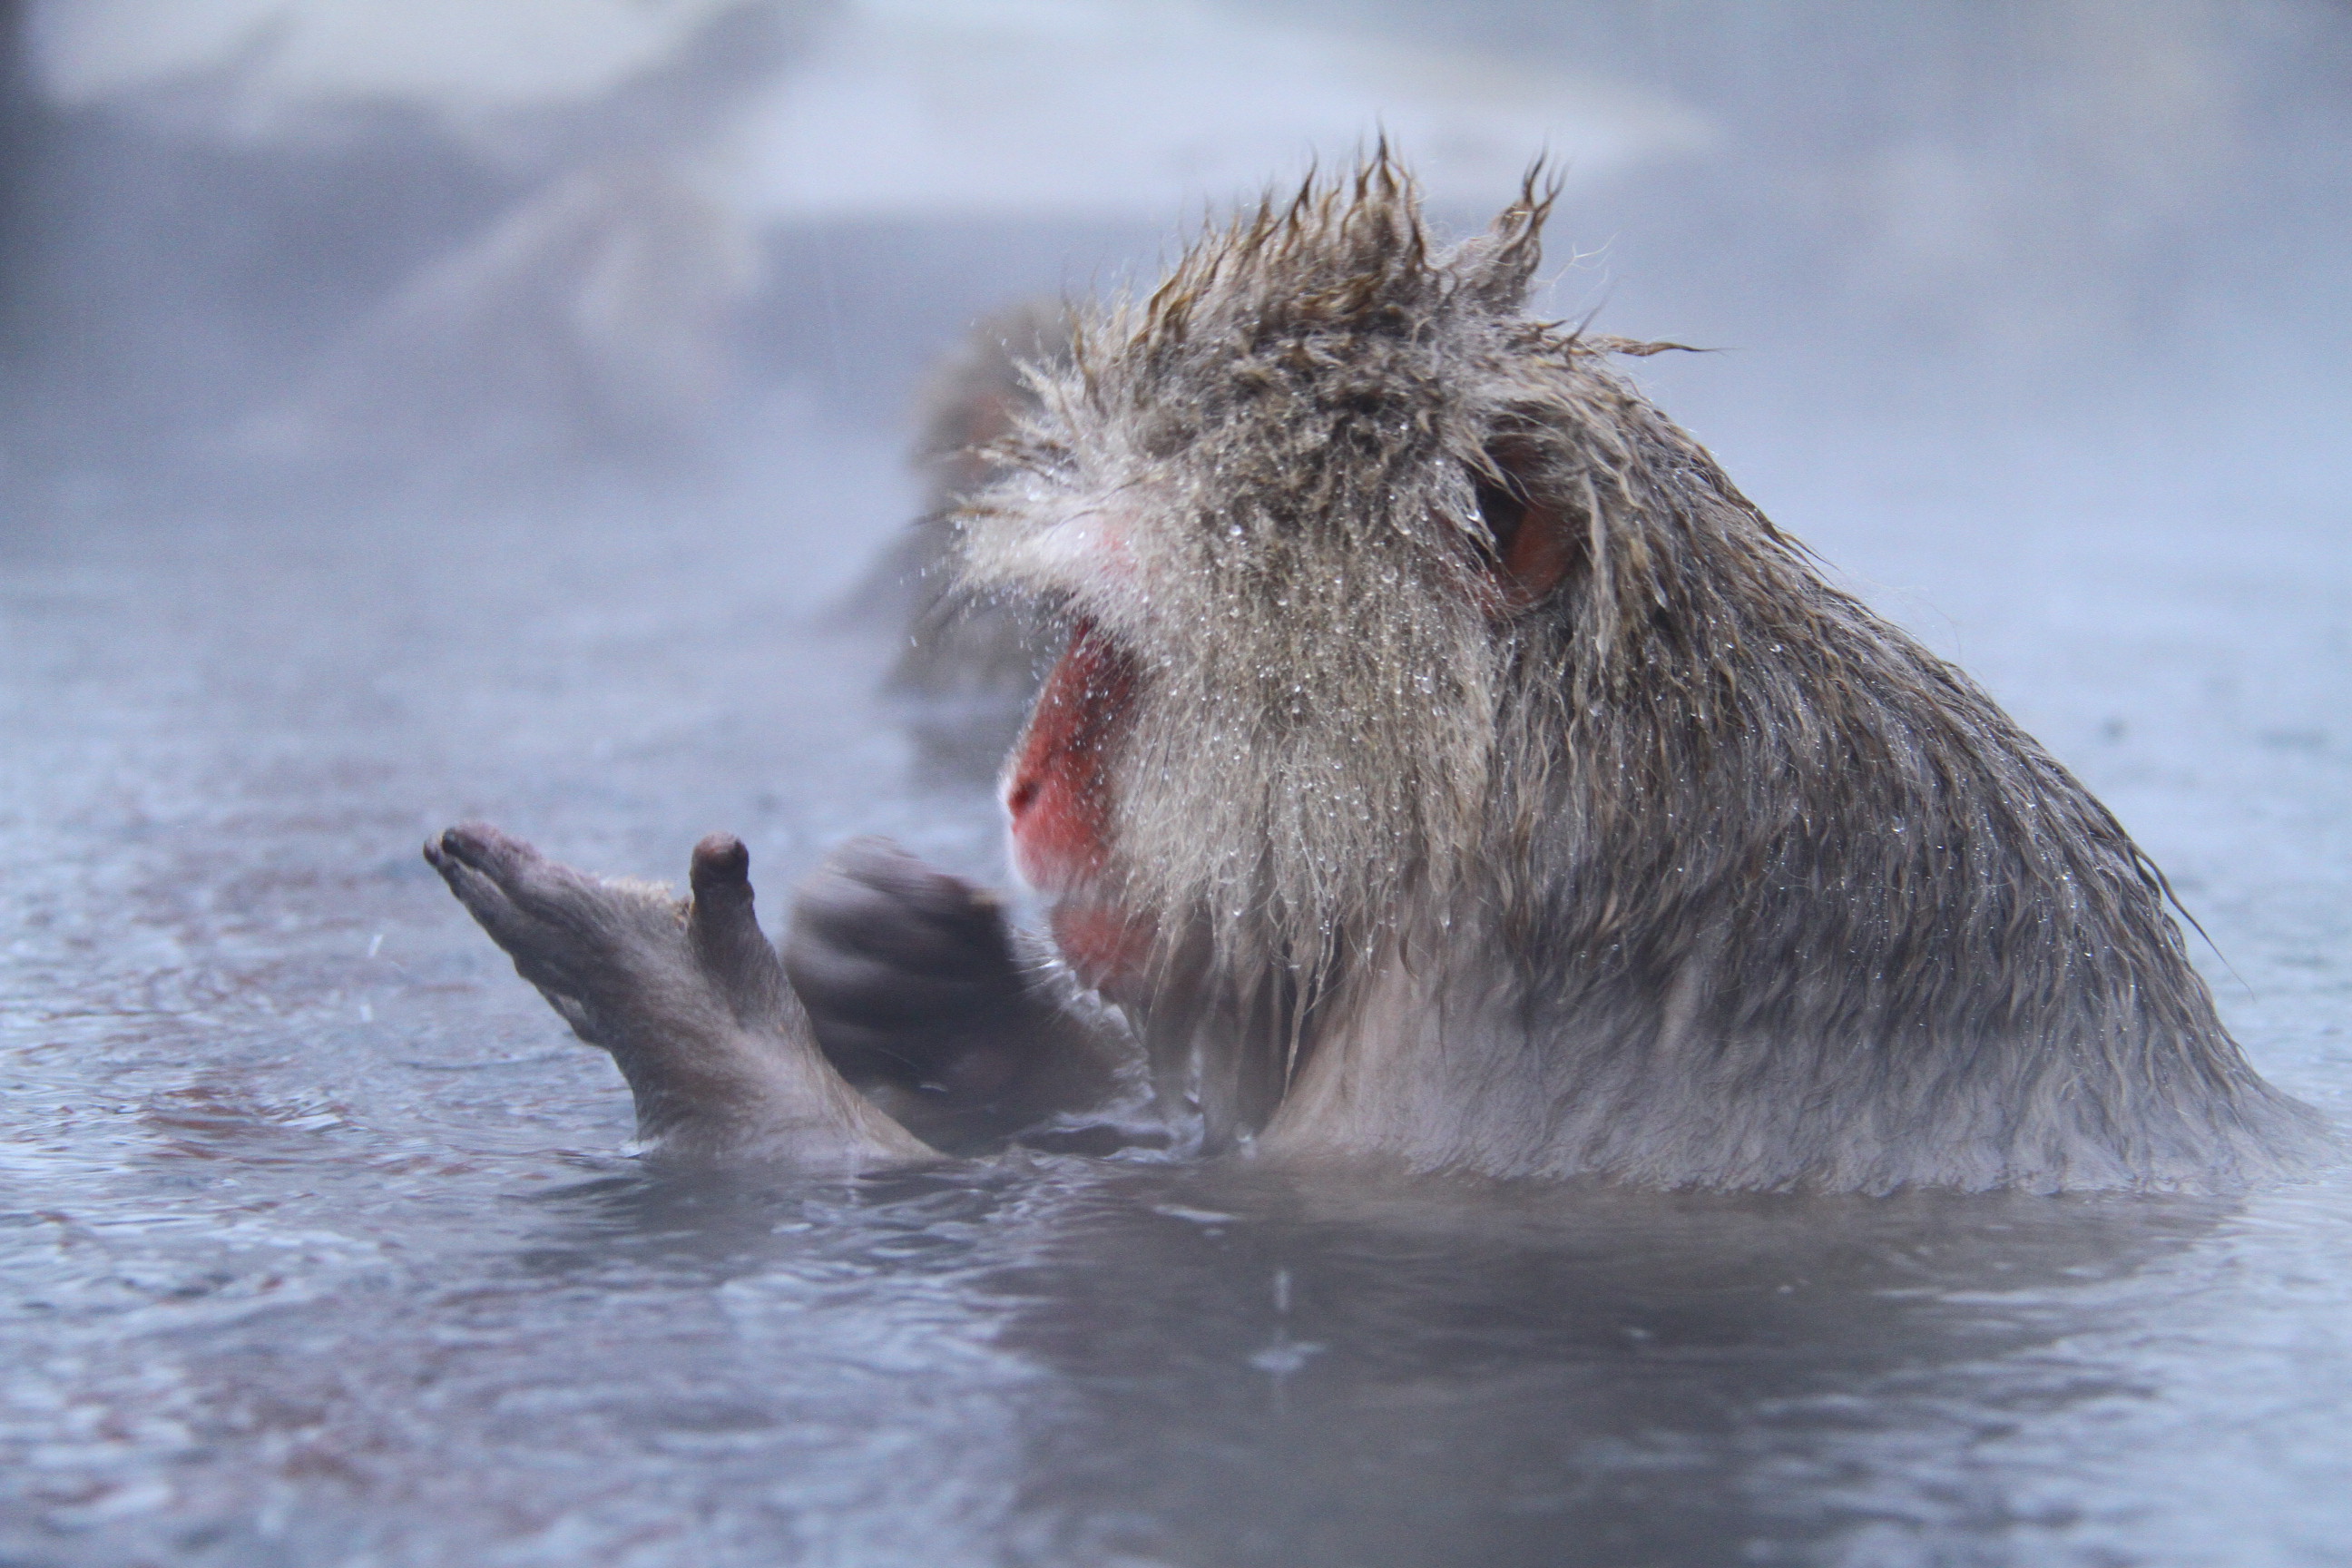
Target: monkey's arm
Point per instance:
(688, 996)
(923, 995)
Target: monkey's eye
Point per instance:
(1526, 537)
(1504, 512)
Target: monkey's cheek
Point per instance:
(1105, 946)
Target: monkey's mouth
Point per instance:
(1106, 946)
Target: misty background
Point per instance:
(293, 246)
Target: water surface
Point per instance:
(319, 1247)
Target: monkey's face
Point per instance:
(1058, 794)
(1267, 504)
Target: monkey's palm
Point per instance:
(686, 995)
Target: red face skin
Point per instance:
(1059, 792)
(1059, 798)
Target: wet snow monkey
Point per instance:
(1447, 766)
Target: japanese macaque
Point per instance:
(1446, 765)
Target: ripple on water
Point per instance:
(318, 1251)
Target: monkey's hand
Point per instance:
(923, 995)
(686, 993)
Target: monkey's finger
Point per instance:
(479, 845)
(852, 986)
(545, 888)
(871, 898)
(470, 858)
(878, 865)
(726, 933)
(542, 952)
(483, 898)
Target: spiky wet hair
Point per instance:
(1712, 827)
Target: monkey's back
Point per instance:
(1505, 792)
(1803, 907)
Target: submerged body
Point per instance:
(1449, 764)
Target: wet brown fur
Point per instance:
(1667, 860)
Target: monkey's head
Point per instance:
(1308, 509)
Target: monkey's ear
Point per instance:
(1528, 539)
